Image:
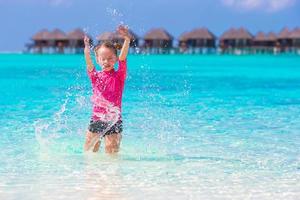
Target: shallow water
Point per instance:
(211, 127)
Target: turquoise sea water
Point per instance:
(195, 127)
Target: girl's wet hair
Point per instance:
(114, 46)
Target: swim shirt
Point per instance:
(108, 88)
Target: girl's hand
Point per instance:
(87, 53)
(86, 41)
(123, 31)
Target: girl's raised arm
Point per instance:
(123, 31)
(87, 54)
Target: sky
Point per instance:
(21, 19)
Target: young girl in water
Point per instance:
(107, 86)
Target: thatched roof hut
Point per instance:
(42, 35)
(260, 36)
(243, 34)
(45, 35)
(158, 38)
(58, 35)
(271, 37)
(202, 33)
(228, 34)
(58, 38)
(284, 34)
(184, 36)
(45, 39)
(237, 34)
(76, 38)
(284, 39)
(295, 36)
(200, 37)
(76, 34)
(236, 38)
(115, 37)
(265, 40)
(158, 34)
(40, 40)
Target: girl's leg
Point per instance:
(112, 142)
(97, 146)
(92, 141)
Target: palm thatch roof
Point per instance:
(199, 33)
(260, 36)
(184, 36)
(41, 35)
(284, 34)
(227, 34)
(271, 36)
(158, 34)
(295, 34)
(57, 34)
(76, 34)
(233, 34)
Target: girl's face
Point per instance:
(106, 58)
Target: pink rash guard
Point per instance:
(107, 92)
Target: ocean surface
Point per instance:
(195, 127)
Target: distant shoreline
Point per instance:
(151, 54)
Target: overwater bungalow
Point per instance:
(158, 41)
(40, 42)
(58, 41)
(295, 36)
(284, 40)
(116, 38)
(237, 41)
(199, 40)
(265, 43)
(76, 40)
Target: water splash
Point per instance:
(111, 115)
(57, 132)
(113, 12)
(46, 131)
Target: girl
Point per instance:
(107, 87)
